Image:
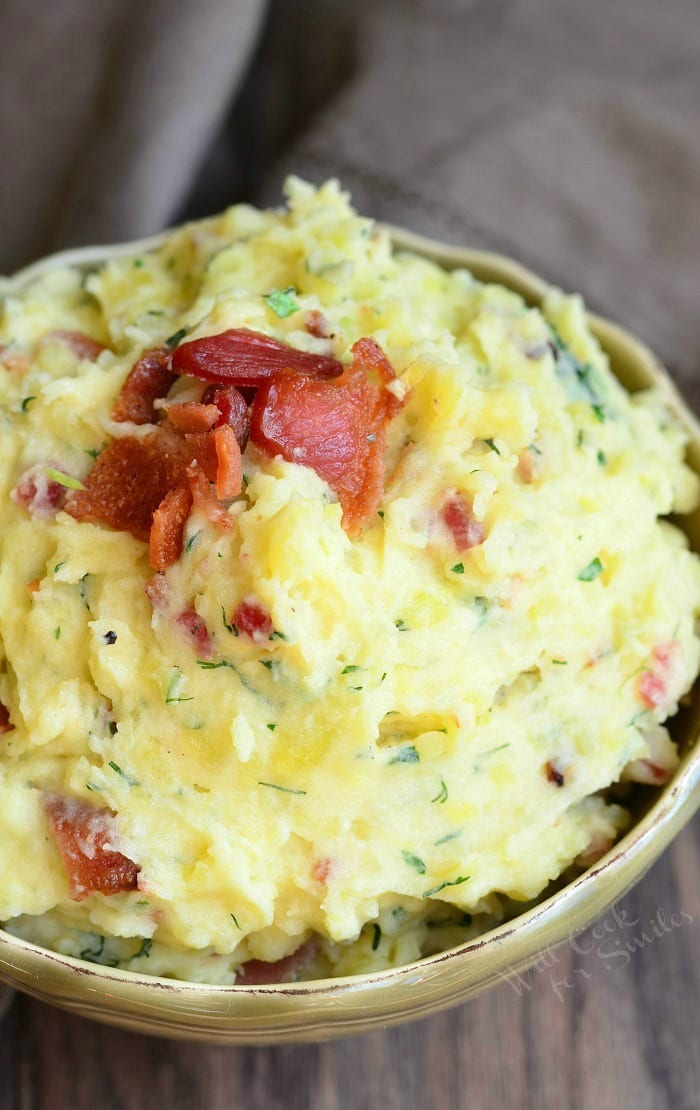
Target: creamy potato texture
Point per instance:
(423, 738)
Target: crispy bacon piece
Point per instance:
(205, 499)
(252, 620)
(38, 493)
(169, 519)
(128, 482)
(191, 416)
(654, 682)
(457, 515)
(5, 722)
(84, 838)
(554, 775)
(82, 345)
(317, 324)
(233, 409)
(196, 631)
(243, 357)
(286, 970)
(337, 427)
(229, 464)
(149, 379)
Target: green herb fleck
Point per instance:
(191, 541)
(93, 786)
(93, 452)
(535, 449)
(414, 861)
(155, 312)
(383, 677)
(282, 302)
(589, 573)
(492, 751)
(272, 727)
(235, 920)
(560, 662)
(492, 445)
(446, 839)
(380, 513)
(90, 953)
(458, 568)
(452, 882)
(138, 263)
(174, 687)
(276, 635)
(173, 340)
(350, 669)
(141, 902)
(144, 950)
(59, 565)
(266, 663)
(284, 789)
(442, 794)
(407, 754)
(57, 633)
(401, 625)
(376, 937)
(206, 665)
(62, 479)
(83, 592)
(118, 771)
(27, 402)
(599, 412)
(601, 458)
(229, 626)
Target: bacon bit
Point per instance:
(14, 361)
(40, 495)
(647, 772)
(197, 633)
(191, 416)
(83, 836)
(652, 689)
(261, 972)
(229, 469)
(654, 682)
(554, 775)
(149, 379)
(5, 722)
(158, 591)
(128, 482)
(82, 345)
(205, 498)
(34, 585)
(169, 519)
(457, 515)
(338, 428)
(526, 469)
(233, 409)
(243, 357)
(317, 324)
(322, 869)
(252, 620)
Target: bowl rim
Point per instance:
(270, 1013)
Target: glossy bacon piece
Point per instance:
(197, 633)
(5, 722)
(128, 483)
(84, 837)
(286, 970)
(457, 514)
(337, 427)
(82, 345)
(233, 410)
(169, 519)
(252, 620)
(191, 416)
(243, 357)
(656, 681)
(149, 379)
(39, 494)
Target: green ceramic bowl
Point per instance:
(337, 1007)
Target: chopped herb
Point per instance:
(206, 665)
(276, 635)
(266, 663)
(560, 662)
(112, 728)
(599, 412)
(62, 479)
(601, 458)
(93, 452)
(138, 263)
(446, 839)
(452, 882)
(109, 638)
(83, 592)
(27, 402)
(272, 727)
(579, 438)
(118, 771)
(377, 936)
(414, 861)
(235, 920)
(230, 627)
(191, 541)
(401, 625)
(93, 786)
(59, 565)
(442, 794)
(380, 513)
(536, 450)
(492, 751)
(407, 754)
(93, 953)
(144, 950)
(458, 568)
(354, 689)
(282, 302)
(589, 573)
(141, 902)
(173, 340)
(350, 669)
(57, 633)
(174, 686)
(155, 312)
(492, 445)
(383, 677)
(284, 789)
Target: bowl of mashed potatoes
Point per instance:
(348, 603)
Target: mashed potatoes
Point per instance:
(413, 726)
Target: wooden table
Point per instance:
(606, 1021)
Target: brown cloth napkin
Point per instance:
(564, 134)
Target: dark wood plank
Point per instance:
(604, 1023)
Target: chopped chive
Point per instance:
(376, 937)
(441, 886)
(206, 665)
(442, 794)
(407, 754)
(414, 861)
(277, 635)
(141, 902)
(590, 572)
(458, 568)
(535, 449)
(144, 950)
(560, 662)
(83, 592)
(492, 445)
(401, 625)
(492, 751)
(118, 771)
(191, 541)
(93, 452)
(272, 727)
(62, 479)
(27, 402)
(354, 689)
(601, 458)
(174, 686)
(351, 667)
(266, 663)
(229, 626)
(59, 565)
(599, 412)
(173, 340)
(282, 302)
(383, 677)
(138, 263)
(446, 839)
(380, 513)
(235, 920)
(57, 633)
(284, 789)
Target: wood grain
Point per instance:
(607, 1022)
